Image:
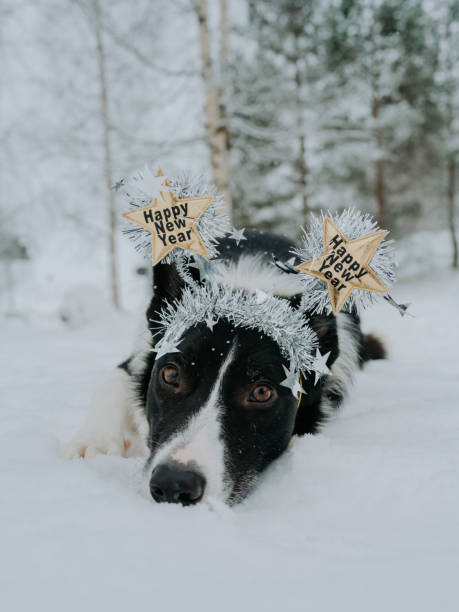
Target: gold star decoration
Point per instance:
(344, 264)
(172, 223)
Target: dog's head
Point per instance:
(217, 410)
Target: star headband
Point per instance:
(346, 263)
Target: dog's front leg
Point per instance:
(110, 426)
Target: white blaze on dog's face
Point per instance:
(198, 445)
(218, 414)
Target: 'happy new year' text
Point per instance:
(339, 266)
(170, 223)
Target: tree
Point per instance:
(58, 133)
(275, 91)
(448, 103)
(107, 149)
(384, 69)
(216, 126)
(289, 31)
(262, 149)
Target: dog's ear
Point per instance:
(327, 333)
(309, 415)
(167, 286)
(325, 328)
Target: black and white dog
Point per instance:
(211, 417)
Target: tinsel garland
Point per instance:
(354, 224)
(270, 315)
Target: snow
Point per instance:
(364, 517)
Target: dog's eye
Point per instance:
(261, 394)
(170, 375)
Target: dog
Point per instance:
(211, 416)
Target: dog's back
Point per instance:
(256, 243)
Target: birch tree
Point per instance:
(448, 101)
(106, 147)
(216, 125)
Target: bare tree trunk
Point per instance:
(380, 185)
(301, 164)
(451, 211)
(223, 35)
(380, 192)
(10, 289)
(217, 132)
(107, 154)
(303, 172)
(450, 110)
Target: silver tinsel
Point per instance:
(143, 187)
(353, 224)
(273, 316)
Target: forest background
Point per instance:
(289, 106)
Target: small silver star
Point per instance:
(146, 181)
(261, 296)
(118, 184)
(193, 264)
(166, 346)
(320, 365)
(292, 382)
(210, 322)
(237, 235)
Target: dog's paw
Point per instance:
(87, 448)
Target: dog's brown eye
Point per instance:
(261, 393)
(170, 375)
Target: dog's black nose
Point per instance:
(176, 485)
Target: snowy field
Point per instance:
(364, 517)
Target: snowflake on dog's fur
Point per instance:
(273, 316)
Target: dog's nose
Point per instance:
(176, 485)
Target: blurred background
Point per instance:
(289, 106)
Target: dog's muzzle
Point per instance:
(175, 484)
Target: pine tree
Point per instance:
(382, 56)
(273, 115)
(262, 154)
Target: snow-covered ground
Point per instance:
(364, 517)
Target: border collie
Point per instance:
(211, 417)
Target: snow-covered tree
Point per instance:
(262, 152)
(381, 56)
(276, 91)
